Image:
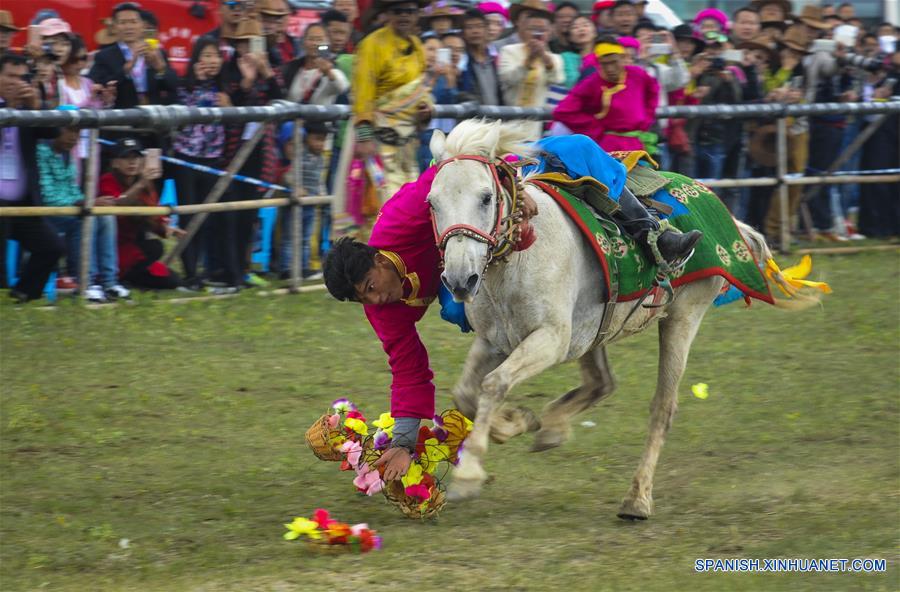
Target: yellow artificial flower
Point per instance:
(357, 425)
(793, 277)
(413, 475)
(302, 526)
(435, 452)
(386, 423)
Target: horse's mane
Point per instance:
(488, 138)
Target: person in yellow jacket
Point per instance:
(390, 96)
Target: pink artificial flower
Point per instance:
(333, 421)
(353, 451)
(418, 491)
(321, 517)
(357, 529)
(367, 480)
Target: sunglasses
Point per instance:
(81, 58)
(234, 5)
(399, 10)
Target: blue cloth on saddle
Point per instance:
(452, 311)
(578, 156)
(663, 196)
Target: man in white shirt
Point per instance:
(527, 69)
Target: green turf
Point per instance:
(180, 428)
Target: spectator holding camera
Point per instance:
(528, 69)
(130, 182)
(199, 143)
(137, 65)
(20, 184)
(313, 79)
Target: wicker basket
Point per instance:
(319, 437)
(410, 506)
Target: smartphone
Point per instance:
(153, 162)
(152, 43)
(797, 82)
(35, 39)
(733, 56)
(658, 49)
(444, 56)
(537, 35)
(258, 44)
(324, 52)
(658, 38)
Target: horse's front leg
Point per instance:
(482, 359)
(542, 349)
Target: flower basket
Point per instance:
(412, 507)
(324, 547)
(324, 440)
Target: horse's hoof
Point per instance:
(546, 439)
(512, 421)
(635, 509)
(463, 489)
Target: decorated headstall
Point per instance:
(506, 233)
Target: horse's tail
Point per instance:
(800, 294)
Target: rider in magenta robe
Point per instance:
(397, 275)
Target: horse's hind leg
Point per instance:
(597, 383)
(543, 348)
(676, 333)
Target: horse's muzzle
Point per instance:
(462, 290)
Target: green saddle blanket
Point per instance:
(722, 251)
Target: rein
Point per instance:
(503, 236)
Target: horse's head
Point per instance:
(469, 205)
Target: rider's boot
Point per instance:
(673, 246)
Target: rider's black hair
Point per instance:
(346, 265)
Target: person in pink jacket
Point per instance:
(613, 103)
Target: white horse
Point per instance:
(542, 307)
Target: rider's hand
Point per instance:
(395, 461)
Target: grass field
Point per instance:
(180, 428)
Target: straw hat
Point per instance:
(762, 42)
(273, 7)
(762, 146)
(6, 21)
(245, 29)
(531, 5)
(812, 16)
(795, 38)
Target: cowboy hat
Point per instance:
(273, 7)
(761, 42)
(380, 5)
(245, 29)
(795, 38)
(812, 17)
(441, 10)
(531, 6)
(6, 21)
(762, 146)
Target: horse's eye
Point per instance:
(486, 199)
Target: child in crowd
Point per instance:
(313, 164)
(59, 187)
(130, 183)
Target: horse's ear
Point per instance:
(438, 140)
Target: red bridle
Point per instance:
(497, 236)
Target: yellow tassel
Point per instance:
(791, 279)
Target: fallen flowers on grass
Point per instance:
(322, 530)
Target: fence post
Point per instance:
(783, 195)
(87, 223)
(296, 208)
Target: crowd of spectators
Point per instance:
(602, 73)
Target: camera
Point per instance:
(324, 51)
(857, 61)
(47, 52)
(717, 63)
